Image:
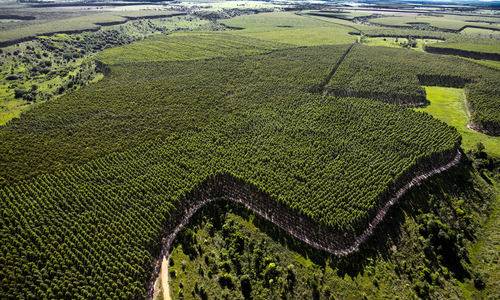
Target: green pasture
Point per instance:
(378, 31)
(341, 14)
(396, 42)
(448, 105)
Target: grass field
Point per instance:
(291, 29)
(340, 14)
(381, 31)
(448, 105)
(10, 109)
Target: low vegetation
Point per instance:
(448, 23)
(424, 251)
(188, 46)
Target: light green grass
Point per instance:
(396, 42)
(289, 28)
(10, 109)
(448, 105)
(341, 14)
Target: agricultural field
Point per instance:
(290, 28)
(416, 44)
(364, 28)
(364, 74)
(188, 46)
(482, 49)
(490, 47)
(38, 70)
(245, 150)
(452, 23)
(341, 14)
(481, 33)
(488, 63)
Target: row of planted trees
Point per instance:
(91, 181)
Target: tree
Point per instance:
(246, 286)
(480, 147)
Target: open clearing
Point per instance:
(448, 105)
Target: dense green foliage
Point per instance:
(291, 29)
(422, 252)
(473, 48)
(188, 46)
(475, 45)
(397, 76)
(88, 180)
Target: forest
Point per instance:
(196, 141)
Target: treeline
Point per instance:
(461, 52)
(89, 180)
(329, 239)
